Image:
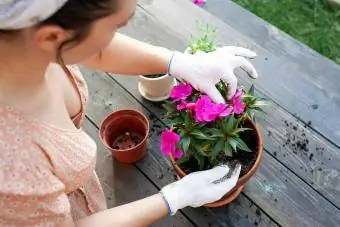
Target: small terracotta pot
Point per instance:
(156, 89)
(125, 122)
(234, 193)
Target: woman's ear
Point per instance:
(50, 37)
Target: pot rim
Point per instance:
(155, 79)
(101, 130)
(241, 181)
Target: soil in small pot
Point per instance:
(154, 76)
(246, 159)
(127, 141)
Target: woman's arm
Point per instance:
(193, 190)
(136, 214)
(128, 56)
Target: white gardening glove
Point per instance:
(199, 188)
(204, 70)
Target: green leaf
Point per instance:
(187, 121)
(185, 143)
(242, 130)
(232, 142)
(169, 106)
(221, 87)
(201, 135)
(214, 132)
(199, 149)
(252, 90)
(217, 148)
(259, 109)
(228, 150)
(200, 160)
(242, 145)
(229, 124)
(183, 159)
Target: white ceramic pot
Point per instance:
(156, 89)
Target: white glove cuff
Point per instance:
(169, 194)
(176, 65)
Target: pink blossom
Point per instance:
(178, 153)
(169, 141)
(207, 111)
(238, 103)
(188, 106)
(181, 106)
(181, 92)
(199, 2)
(223, 110)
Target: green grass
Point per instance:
(309, 21)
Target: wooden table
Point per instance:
(293, 187)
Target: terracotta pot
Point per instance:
(131, 123)
(156, 89)
(232, 195)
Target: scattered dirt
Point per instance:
(315, 106)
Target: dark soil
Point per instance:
(246, 159)
(154, 76)
(127, 141)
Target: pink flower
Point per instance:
(169, 142)
(181, 106)
(199, 2)
(184, 105)
(181, 92)
(203, 106)
(207, 111)
(178, 153)
(238, 103)
(223, 110)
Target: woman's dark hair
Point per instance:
(78, 16)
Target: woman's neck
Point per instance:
(20, 74)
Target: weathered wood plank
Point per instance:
(293, 144)
(307, 89)
(124, 183)
(276, 189)
(106, 96)
(321, 170)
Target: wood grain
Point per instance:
(124, 183)
(298, 79)
(318, 166)
(107, 96)
(276, 189)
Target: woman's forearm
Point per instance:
(137, 214)
(131, 57)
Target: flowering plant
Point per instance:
(205, 42)
(206, 131)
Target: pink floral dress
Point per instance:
(47, 174)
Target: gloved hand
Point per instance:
(199, 188)
(204, 70)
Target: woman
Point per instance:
(47, 161)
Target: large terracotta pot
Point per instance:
(129, 126)
(156, 89)
(232, 195)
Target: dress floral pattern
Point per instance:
(47, 174)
